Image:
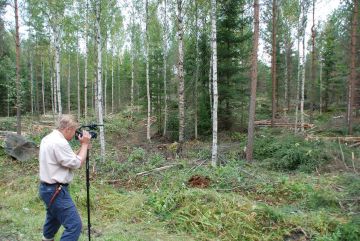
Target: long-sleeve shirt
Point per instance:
(56, 159)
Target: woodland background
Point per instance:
(204, 138)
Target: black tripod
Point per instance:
(88, 193)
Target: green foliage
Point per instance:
(8, 124)
(290, 153)
(137, 155)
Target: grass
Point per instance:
(244, 201)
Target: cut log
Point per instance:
(262, 123)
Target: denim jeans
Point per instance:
(61, 212)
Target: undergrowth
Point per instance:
(277, 197)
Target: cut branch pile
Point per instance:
(262, 123)
(355, 140)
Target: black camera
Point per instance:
(92, 129)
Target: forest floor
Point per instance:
(297, 189)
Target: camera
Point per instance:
(92, 129)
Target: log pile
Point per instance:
(262, 123)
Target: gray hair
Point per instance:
(66, 121)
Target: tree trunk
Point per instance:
(106, 79)
(254, 58)
(86, 64)
(148, 137)
(132, 62)
(197, 72)
(211, 85)
(112, 81)
(57, 67)
(303, 74)
(43, 85)
(298, 73)
(313, 70)
(18, 91)
(68, 87)
(78, 86)
(352, 77)
(215, 89)
(165, 66)
(99, 84)
(119, 81)
(273, 63)
(320, 88)
(181, 72)
(31, 84)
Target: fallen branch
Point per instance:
(342, 155)
(195, 167)
(156, 170)
(337, 138)
(355, 144)
(282, 124)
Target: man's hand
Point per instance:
(85, 138)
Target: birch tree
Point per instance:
(43, 85)
(215, 88)
(69, 84)
(302, 85)
(273, 62)
(86, 61)
(254, 59)
(180, 70)
(132, 60)
(147, 72)
(99, 77)
(313, 59)
(18, 97)
(165, 67)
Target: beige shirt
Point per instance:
(56, 158)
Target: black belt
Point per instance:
(55, 184)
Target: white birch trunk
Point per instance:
(211, 85)
(57, 68)
(132, 63)
(68, 86)
(303, 76)
(78, 85)
(181, 72)
(165, 67)
(215, 90)
(43, 85)
(148, 136)
(119, 81)
(286, 83)
(320, 88)
(106, 79)
(86, 65)
(298, 73)
(31, 84)
(112, 81)
(99, 76)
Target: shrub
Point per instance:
(290, 153)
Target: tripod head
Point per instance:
(91, 128)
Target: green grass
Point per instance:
(244, 201)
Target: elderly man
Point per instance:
(57, 161)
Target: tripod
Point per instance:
(88, 193)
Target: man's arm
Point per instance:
(85, 144)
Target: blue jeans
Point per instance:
(61, 212)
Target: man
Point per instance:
(57, 162)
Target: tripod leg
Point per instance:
(88, 193)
